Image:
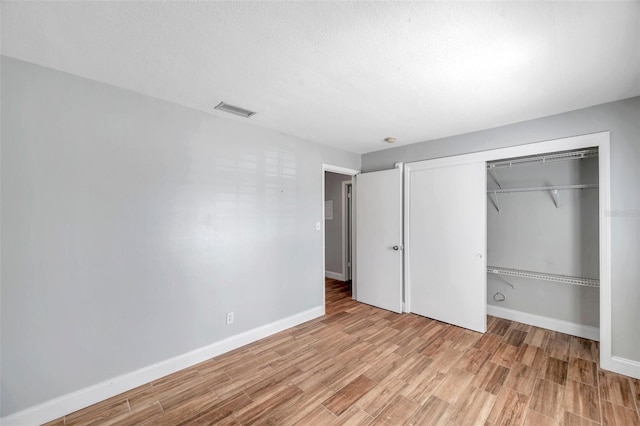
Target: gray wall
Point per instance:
(530, 233)
(333, 228)
(130, 226)
(622, 118)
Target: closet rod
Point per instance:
(541, 188)
(566, 279)
(545, 158)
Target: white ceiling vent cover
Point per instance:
(234, 110)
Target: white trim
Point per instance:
(339, 170)
(354, 252)
(563, 144)
(549, 323)
(406, 221)
(604, 195)
(602, 141)
(348, 172)
(69, 403)
(334, 275)
(625, 366)
(405, 287)
(345, 200)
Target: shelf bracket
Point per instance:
(556, 197)
(506, 281)
(494, 175)
(494, 199)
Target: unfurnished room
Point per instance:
(320, 213)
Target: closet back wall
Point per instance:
(621, 118)
(532, 234)
(130, 226)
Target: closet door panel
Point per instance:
(447, 235)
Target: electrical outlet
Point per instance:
(229, 317)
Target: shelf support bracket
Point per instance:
(494, 175)
(556, 197)
(494, 199)
(506, 281)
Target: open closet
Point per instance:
(520, 233)
(542, 241)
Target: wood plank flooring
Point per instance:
(360, 365)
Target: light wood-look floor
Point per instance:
(360, 365)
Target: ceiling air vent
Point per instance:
(234, 110)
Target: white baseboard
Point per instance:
(624, 366)
(334, 275)
(561, 326)
(69, 403)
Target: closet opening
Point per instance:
(543, 241)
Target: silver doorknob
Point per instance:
(479, 256)
(396, 248)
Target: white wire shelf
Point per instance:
(566, 279)
(546, 158)
(554, 190)
(541, 188)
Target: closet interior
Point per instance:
(542, 241)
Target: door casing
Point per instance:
(347, 229)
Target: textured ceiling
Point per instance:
(346, 74)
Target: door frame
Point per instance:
(343, 171)
(347, 236)
(600, 140)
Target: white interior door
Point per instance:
(447, 226)
(379, 239)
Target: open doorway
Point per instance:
(337, 227)
(338, 235)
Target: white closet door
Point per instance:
(379, 239)
(447, 243)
